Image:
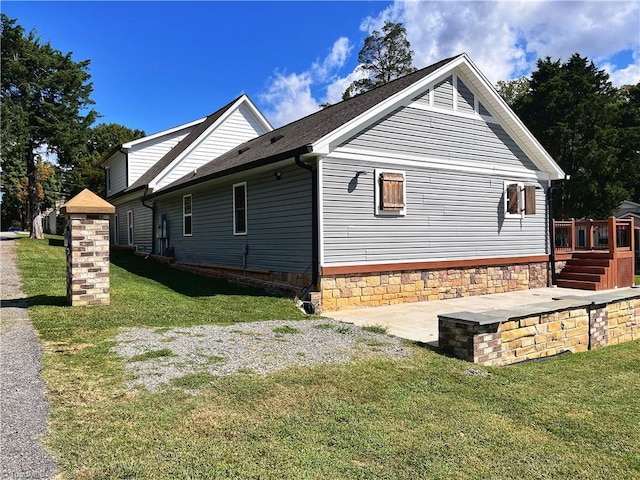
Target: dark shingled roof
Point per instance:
(297, 137)
(180, 147)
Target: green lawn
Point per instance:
(576, 416)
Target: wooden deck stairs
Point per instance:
(587, 271)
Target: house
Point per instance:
(425, 188)
(141, 166)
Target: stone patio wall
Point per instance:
(535, 331)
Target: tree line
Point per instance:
(590, 128)
(50, 148)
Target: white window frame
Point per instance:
(235, 229)
(185, 215)
(116, 230)
(107, 171)
(388, 213)
(505, 197)
(130, 227)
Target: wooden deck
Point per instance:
(599, 254)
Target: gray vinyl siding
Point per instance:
(142, 225)
(440, 135)
(482, 110)
(278, 222)
(443, 94)
(465, 98)
(423, 99)
(449, 216)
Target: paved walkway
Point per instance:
(23, 404)
(419, 321)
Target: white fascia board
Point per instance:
(196, 143)
(403, 160)
(337, 136)
(514, 126)
(132, 143)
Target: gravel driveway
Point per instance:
(156, 356)
(23, 404)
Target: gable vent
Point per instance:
(242, 150)
(276, 138)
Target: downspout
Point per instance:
(553, 185)
(315, 245)
(552, 241)
(153, 220)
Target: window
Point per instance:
(107, 172)
(130, 227)
(240, 208)
(519, 199)
(187, 213)
(390, 192)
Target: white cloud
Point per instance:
(290, 96)
(505, 39)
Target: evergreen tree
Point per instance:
(45, 96)
(385, 56)
(575, 112)
(86, 171)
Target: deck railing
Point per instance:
(609, 236)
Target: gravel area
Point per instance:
(255, 347)
(23, 404)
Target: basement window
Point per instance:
(390, 192)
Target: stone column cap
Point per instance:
(87, 202)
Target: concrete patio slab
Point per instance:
(419, 321)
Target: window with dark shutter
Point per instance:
(530, 200)
(391, 192)
(512, 194)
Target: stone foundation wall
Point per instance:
(88, 260)
(623, 321)
(572, 325)
(385, 288)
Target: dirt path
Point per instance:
(23, 404)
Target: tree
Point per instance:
(575, 112)
(86, 171)
(46, 98)
(384, 57)
(512, 90)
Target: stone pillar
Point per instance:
(87, 246)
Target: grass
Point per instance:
(576, 416)
(637, 280)
(151, 354)
(375, 329)
(286, 329)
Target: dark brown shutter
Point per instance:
(391, 191)
(530, 200)
(512, 199)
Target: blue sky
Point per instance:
(155, 65)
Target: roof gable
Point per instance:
(203, 130)
(323, 131)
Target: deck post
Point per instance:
(613, 239)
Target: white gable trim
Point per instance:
(242, 101)
(476, 82)
(133, 143)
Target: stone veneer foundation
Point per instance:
(385, 288)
